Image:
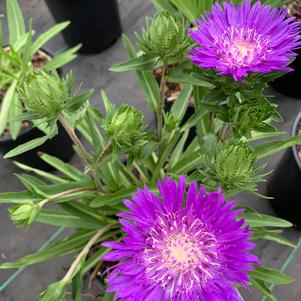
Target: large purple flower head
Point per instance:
(246, 38)
(180, 248)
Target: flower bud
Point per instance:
(44, 94)
(249, 116)
(55, 292)
(232, 166)
(165, 35)
(24, 214)
(125, 126)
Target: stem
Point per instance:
(71, 132)
(85, 252)
(211, 127)
(84, 153)
(161, 102)
(62, 194)
(104, 151)
(225, 132)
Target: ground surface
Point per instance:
(92, 71)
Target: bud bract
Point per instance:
(165, 35)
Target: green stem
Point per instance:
(62, 194)
(161, 102)
(72, 134)
(84, 154)
(105, 150)
(83, 254)
(225, 132)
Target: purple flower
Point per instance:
(248, 38)
(180, 248)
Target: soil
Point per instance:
(294, 9)
(172, 90)
(39, 59)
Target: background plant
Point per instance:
(88, 199)
(16, 62)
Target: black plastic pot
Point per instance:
(289, 84)
(60, 146)
(189, 112)
(94, 23)
(285, 184)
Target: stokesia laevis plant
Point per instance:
(177, 242)
(180, 248)
(243, 39)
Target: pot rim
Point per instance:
(294, 132)
(4, 140)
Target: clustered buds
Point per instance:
(165, 35)
(232, 166)
(124, 127)
(44, 94)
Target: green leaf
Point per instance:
(44, 174)
(178, 150)
(85, 213)
(18, 197)
(16, 25)
(62, 59)
(63, 219)
(146, 79)
(178, 76)
(260, 135)
(180, 105)
(255, 219)
(26, 146)
(6, 104)
(69, 245)
(163, 5)
(270, 275)
(67, 169)
(15, 111)
(187, 163)
(272, 236)
(269, 148)
(262, 287)
(140, 63)
(47, 35)
(114, 198)
(165, 154)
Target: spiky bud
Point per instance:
(250, 116)
(165, 35)
(24, 214)
(231, 166)
(124, 127)
(44, 94)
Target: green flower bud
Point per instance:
(24, 214)
(165, 35)
(124, 127)
(55, 292)
(232, 166)
(44, 94)
(250, 116)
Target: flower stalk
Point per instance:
(161, 102)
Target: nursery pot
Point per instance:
(189, 112)
(94, 23)
(289, 84)
(285, 184)
(60, 146)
